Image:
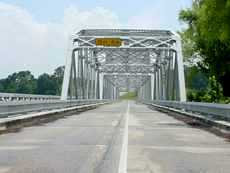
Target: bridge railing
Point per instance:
(16, 108)
(5, 97)
(210, 110)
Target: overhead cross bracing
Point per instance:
(103, 62)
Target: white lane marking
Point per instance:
(124, 149)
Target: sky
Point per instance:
(34, 33)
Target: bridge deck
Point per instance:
(92, 142)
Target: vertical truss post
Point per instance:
(159, 84)
(163, 83)
(78, 75)
(175, 79)
(74, 76)
(110, 91)
(180, 70)
(87, 73)
(155, 86)
(92, 83)
(101, 85)
(98, 85)
(170, 78)
(67, 73)
(81, 70)
(105, 89)
(115, 93)
(149, 89)
(152, 86)
(96, 89)
(86, 78)
(143, 92)
(140, 94)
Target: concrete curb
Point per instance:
(207, 121)
(14, 123)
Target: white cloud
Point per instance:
(26, 44)
(147, 20)
(74, 19)
(162, 15)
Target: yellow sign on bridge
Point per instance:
(110, 42)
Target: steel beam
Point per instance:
(149, 61)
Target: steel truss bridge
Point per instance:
(147, 61)
(95, 133)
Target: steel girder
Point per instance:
(148, 61)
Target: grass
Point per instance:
(129, 96)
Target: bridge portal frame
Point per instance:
(148, 61)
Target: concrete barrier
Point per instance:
(209, 110)
(8, 109)
(206, 121)
(14, 123)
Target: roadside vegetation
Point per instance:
(129, 96)
(25, 82)
(206, 49)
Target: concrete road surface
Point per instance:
(119, 137)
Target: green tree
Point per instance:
(58, 77)
(21, 82)
(46, 85)
(209, 31)
(214, 91)
(195, 78)
(2, 87)
(24, 82)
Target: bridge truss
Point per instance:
(149, 62)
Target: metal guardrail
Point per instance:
(5, 97)
(14, 108)
(210, 110)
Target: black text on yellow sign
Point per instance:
(110, 42)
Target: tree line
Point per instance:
(206, 48)
(25, 82)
